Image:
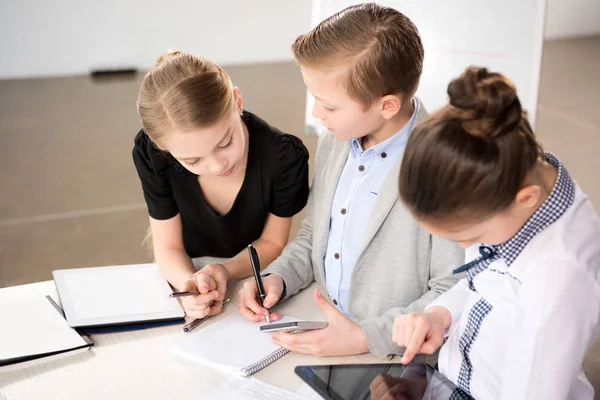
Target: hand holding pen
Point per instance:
(251, 304)
(187, 328)
(204, 292)
(195, 322)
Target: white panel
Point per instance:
(571, 18)
(45, 38)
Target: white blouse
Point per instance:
(524, 318)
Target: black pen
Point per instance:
(256, 269)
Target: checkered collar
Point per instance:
(560, 199)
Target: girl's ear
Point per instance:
(529, 196)
(237, 95)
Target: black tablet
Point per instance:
(346, 382)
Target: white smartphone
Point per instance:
(295, 326)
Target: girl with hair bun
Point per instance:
(215, 178)
(519, 324)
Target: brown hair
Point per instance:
(470, 158)
(183, 92)
(380, 47)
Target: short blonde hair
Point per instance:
(380, 46)
(183, 92)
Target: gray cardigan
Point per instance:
(400, 267)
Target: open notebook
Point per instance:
(35, 328)
(233, 344)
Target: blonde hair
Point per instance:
(148, 241)
(183, 92)
(380, 47)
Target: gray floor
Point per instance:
(69, 195)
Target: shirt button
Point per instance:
(383, 155)
(361, 168)
(336, 256)
(343, 211)
(335, 302)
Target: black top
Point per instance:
(276, 182)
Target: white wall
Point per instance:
(568, 18)
(65, 37)
(460, 33)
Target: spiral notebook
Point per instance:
(232, 344)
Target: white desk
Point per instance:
(139, 364)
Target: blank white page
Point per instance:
(107, 292)
(32, 327)
(250, 389)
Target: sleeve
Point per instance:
(558, 318)
(294, 264)
(454, 300)
(444, 257)
(153, 169)
(290, 180)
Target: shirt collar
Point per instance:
(560, 199)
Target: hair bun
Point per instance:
(167, 54)
(485, 103)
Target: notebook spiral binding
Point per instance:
(271, 358)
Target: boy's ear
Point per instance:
(390, 105)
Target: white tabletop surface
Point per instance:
(139, 364)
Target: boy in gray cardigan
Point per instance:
(358, 242)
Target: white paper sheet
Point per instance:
(33, 326)
(117, 291)
(306, 392)
(250, 389)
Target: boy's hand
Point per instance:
(421, 333)
(249, 304)
(341, 337)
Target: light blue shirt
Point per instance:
(355, 195)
